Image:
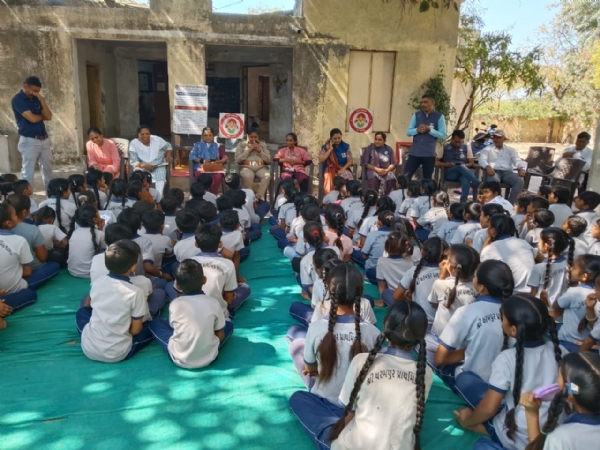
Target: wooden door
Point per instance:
(94, 96)
(162, 106)
(264, 97)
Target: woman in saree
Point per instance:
(380, 161)
(337, 158)
(151, 153)
(208, 151)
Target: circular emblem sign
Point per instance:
(231, 126)
(360, 120)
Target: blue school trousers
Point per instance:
(305, 287)
(274, 219)
(297, 353)
(302, 312)
(317, 415)
(162, 331)
(357, 258)
(244, 254)
(140, 340)
(387, 297)
(20, 299)
(156, 301)
(40, 276)
(296, 332)
(445, 373)
(571, 347)
(371, 276)
(422, 234)
(262, 209)
(254, 233)
(278, 232)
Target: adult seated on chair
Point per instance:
(579, 151)
(380, 161)
(149, 152)
(254, 159)
(209, 157)
(293, 160)
(457, 160)
(337, 158)
(497, 161)
(102, 154)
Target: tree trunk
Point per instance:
(549, 131)
(465, 113)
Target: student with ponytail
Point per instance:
(455, 218)
(392, 268)
(531, 364)
(472, 338)
(471, 226)
(58, 200)
(117, 196)
(423, 203)
(412, 192)
(354, 201)
(399, 194)
(374, 247)
(335, 219)
(380, 411)
(315, 240)
(384, 203)
(429, 224)
(579, 388)
(95, 182)
(487, 212)
(85, 241)
(356, 217)
(77, 185)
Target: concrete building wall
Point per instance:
(253, 89)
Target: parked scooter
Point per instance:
(482, 138)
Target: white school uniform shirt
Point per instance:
(557, 279)
(67, 211)
(533, 237)
(283, 211)
(539, 369)
(420, 206)
(186, 247)
(161, 246)
(397, 197)
(476, 328)
(465, 294)
(210, 197)
(34, 206)
(351, 203)
(108, 216)
(561, 213)
(578, 432)
(591, 217)
(433, 219)
(506, 205)
(344, 332)
(147, 252)
(375, 246)
(170, 227)
(573, 302)
(51, 233)
(14, 253)
(406, 206)
(594, 248)
(368, 225)
(355, 215)
(479, 239)
(279, 201)
(519, 256)
(244, 217)
(392, 269)
(232, 240)
(464, 231)
(584, 155)
(427, 276)
(98, 269)
(581, 247)
(115, 302)
(448, 228)
(220, 277)
(386, 407)
(332, 197)
(308, 276)
(321, 304)
(194, 318)
(157, 196)
(518, 219)
(81, 251)
(296, 224)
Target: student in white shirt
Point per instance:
(558, 199)
(95, 182)
(595, 247)
(497, 161)
(112, 323)
(187, 221)
(455, 218)
(315, 240)
(162, 246)
(117, 196)
(471, 226)
(487, 212)
(284, 202)
(433, 219)
(356, 217)
(239, 200)
(88, 197)
(580, 151)
(207, 181)
(383, 394)
(550, 279)
(418, 281)
(145, 177)
(542, 219)
(233, 238)
(196, 328)
(331, 343)
(384, 203)
(586, 203)
(335, 219)
(58, 195)
(23, 187)
(579, 383)
(296, 247)
(374, 247)
(412, 192)
(491, 192)
(575, 227)
(533, 363)
(502, 245)
(399, 194)
(527, 224)
(334, 194)
(256, 209)
(520, 211)
(85, 241)
(392, 268)
(423, 203)
(77, 185)
(169, 205)
(353, 187)
(473, 337)
(55, 241)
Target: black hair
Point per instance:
(544, 191)
(405, 326)
(116, 232)
(384, 203)
(208, 237)
(5, 214)
(56, 188)
(334, 131)
(590, 265)
(94, 130)
(404, 225)
(539, 203)
(76, 182)
(428, 95)
(369, 200)
(473, 209)
(224, 203)
(467, 260)
(434, 250)
(562, 194)
(45, 212)
(253, 130)
(584, 135)
(20, 186)
(153, 219)
(491, 209)
(458, 133)
(457, 210)
(336, 219)
(382, 134)
(208, 129)
(178, 194)
(294, 137)
(590, 198)
(429, 187)
(92, 178)
(238, 196)
(189, 276)
(497, 277)
(108, 178)
(33, 81)
(87, 198)
(143, 127)
(530, 317)
(311, 213)
(130, 218)
(197, 190)
(141, 206)
(503, 225)
(289, 191)
(577, 225)
(398, 243)
(121, 256)
(442, 199)
(206, 180)
(524, 202)
(414, 188)
(402, 183)
(492, 186)
(354, 188)
(20, 202)
(543, 218)
(206, 210)
(232, 180)
(229, 219)
(345, 285)
(313, 234)
(558, 241)
(169, 204)
(134, 190)
(10, 177)
(321, 256)
(338, 183)
(118, 189)
(84, 217)
(386, 218)
(187, 220)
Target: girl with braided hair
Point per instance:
(550, 279)
(403, 225)
(335, 220)
(117, 196)
(579, 384)
(85, 241)
(418, 281)
(531, 364)
(314, 237)
(379, 391)
(487, 212)
(77, 185)
(357, 216)
(399, 194)
(58, 200)
(374, 247)
(473, 338)
(429, 224)
(384, 203)
(391, 268)
(448, 228)
(423, 203)
(95, 182)
(354, 198)
(331, 343)
(471, 226)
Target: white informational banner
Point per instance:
(190, 114)
(231, 126)
(360, 120)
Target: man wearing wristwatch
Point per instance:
(31, 111)
(254, 159)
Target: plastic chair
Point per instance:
(322, 177)
(439, 175)
(237, 166)
(397, 169)
(123, 148)
(566, 174)
(539, 160)
(276, 178)
(227, 168)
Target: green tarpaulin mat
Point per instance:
(53, 397)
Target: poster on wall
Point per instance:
(190, 114)
(360, 120)
(231, 126)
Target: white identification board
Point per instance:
(190, 114)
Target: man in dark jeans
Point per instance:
(427, 127)
(458, 161)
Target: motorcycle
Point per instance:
(482, 138)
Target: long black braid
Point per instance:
(370, 200)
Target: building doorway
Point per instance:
(154, 106)
(94, 91)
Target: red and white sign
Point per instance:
(231, 126)
(360, 120)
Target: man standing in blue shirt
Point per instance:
(458, 161)
(30, 110)
(427, 126)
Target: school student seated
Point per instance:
(187, 221)
(55, 241)
(162, 246)
(112, 323)
(196, 327)
(233, 238)
(85, 241)
(255, 205)
(23, 187)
